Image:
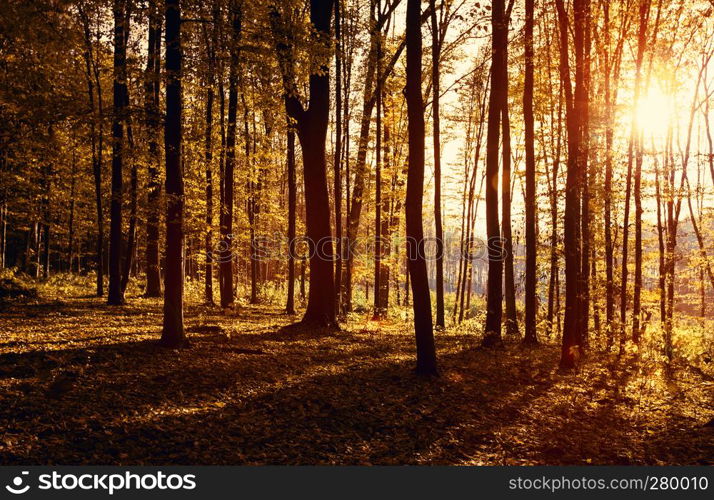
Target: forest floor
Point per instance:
(86, 383)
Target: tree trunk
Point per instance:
(292, 210)
(312, 132)
(426, 352)
(338, 154)
(227, 257)
(116, 295)
(211, 47)
(510, 284)
(152, 84)
(97, 141)
(70, 242)
(378, 243)
(571, 345)
(173, 334)
(531, 236)
(496, 99)
(436, 91)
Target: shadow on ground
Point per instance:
(85, 383)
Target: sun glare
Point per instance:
(654, 113)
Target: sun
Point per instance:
(654, 113)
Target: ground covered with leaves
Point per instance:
(86, 383)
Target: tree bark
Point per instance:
(426, 352)
(173, 334)
(571, 346)
(338, 154)
(439, 230)
(499, 77)
(116, 295)
(292, 210)
(227, 257)
(153, 122)
(531, 236)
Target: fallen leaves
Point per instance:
(90, 385)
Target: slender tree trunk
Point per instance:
(572, 335)
(227, 244)
(436, 91)
(499, 78)
(531, 236)
(97, 141)
(45, 260)
(378, 244)
(153, 124)
(510, 288)
(585, 177)
(131, 237)
(211, 47)
(251, 205)
(70, 242)
(173, 334)
(292, 209)
(116, 295)
(636, 143)
(338, 154)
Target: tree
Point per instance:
(311, 124)
(292, 210)
(153, 124)
(499, 78)
(173, 334)
(338, 154)
(436, 91)
(572, 334)
(227, 242)
(531, 236)
(211, 44)
(121, 29)
(94, 85)
(426, 352)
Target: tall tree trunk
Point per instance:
(572, 335)
(173, 334)
(531, 242)
(227, 243)
(436, 91)
(153, 123)
(292, 210)
(636, 144)
(116, 295)
(211, 47)
(585, 176)
(312, 132)
(97, 140)
(251, 204)
(131, 237)
(72, 202)
(360, 171)
(510, 284)
(426, 352)
(338, 154)
(46, 196)
(378, 243)
(499, 77)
